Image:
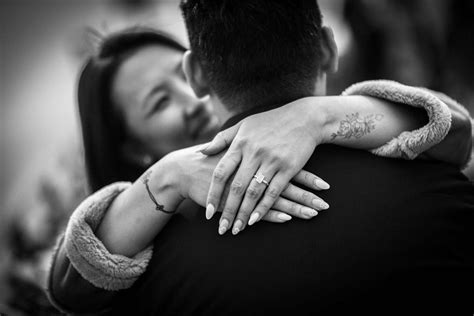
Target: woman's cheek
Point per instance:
(172, 129)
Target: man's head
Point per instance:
(250, 53)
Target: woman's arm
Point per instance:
(132, 221)
(106, 244)
(445, 137)
(386, 125)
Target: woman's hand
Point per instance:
(192, 173)
(262, 160)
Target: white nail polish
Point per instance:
(237, 227)
(321, 184)
(309, 212)
(283, 217)
(210, 211)
(320, 204)
(253, 218)
(323, 205)
(223, 226)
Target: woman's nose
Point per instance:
(195, 109)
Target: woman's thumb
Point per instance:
(221, 141)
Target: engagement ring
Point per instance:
(260, 178)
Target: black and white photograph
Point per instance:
(236, 157)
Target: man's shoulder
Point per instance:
(358, 175)
(338, 161)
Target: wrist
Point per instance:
(318, 119)
(165, 182)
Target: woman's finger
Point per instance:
(275, 216)
(223, 171)
(294, 209)
(310, 180)
(279, 182)
(303, 197)
(221, 141)
(238, 188)
(253, 194)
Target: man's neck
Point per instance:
(224, 114)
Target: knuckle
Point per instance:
(233, 157)
(295, 208)
(242, 142)
(253, 193)
(219, 174)
(277, 160)
(260, 152)
(305, 196)
(274, 192)
(237, 187)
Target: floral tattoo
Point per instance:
(356, 126)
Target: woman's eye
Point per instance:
(161, 103)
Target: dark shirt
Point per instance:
(396, 239)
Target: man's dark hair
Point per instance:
(256, 52)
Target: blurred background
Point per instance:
(43, 44)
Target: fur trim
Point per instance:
(410, 144)
(454, 105)
(88, 254)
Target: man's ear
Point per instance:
(330, 58)
(195, 75)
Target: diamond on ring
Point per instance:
(260, 178)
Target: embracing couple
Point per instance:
(398, 237)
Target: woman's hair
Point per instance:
(103, 128)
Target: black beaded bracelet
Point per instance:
(158, 206)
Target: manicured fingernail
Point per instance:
(309, 212)
(321, 184)
(210, 210)
(320, 204)
(237, 227)
(253, 218)
(223, 226)
(203, 148)
(283, 216)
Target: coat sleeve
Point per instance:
(408, 144)
(84, 276)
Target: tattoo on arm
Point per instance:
(159, 207)
(356, 126)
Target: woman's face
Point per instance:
(160, 111)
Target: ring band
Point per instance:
(260, 178)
